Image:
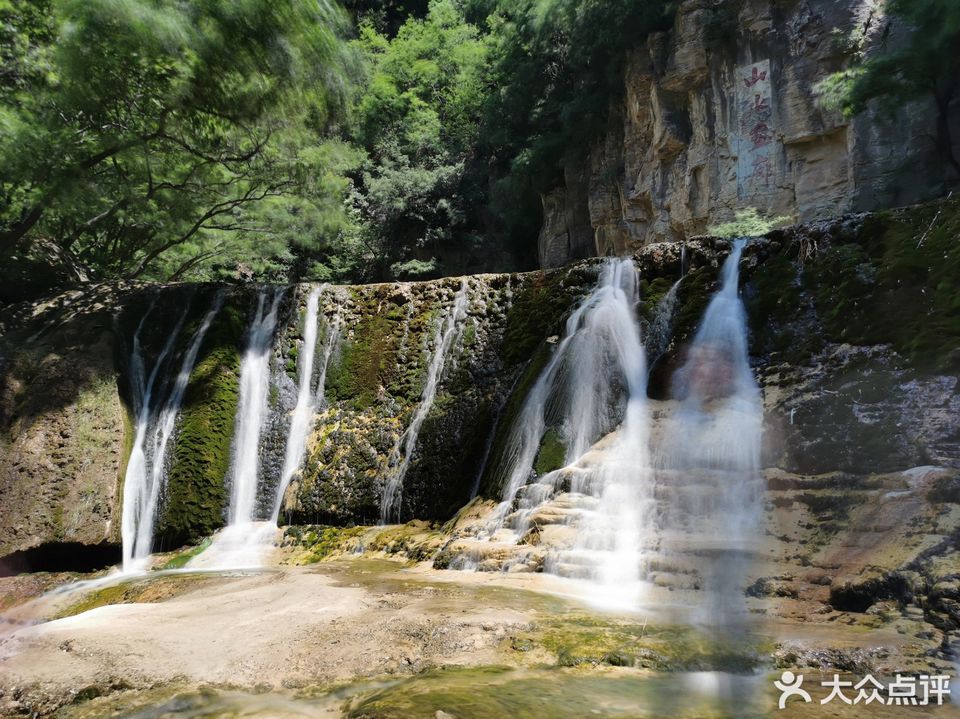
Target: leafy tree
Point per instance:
(134, 130)
(557, 65)
(748, 222)
(418, 122)
(926, 63)
(386, 16)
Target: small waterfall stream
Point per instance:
(243, 540)
(661, 326)
(254, 392)
(448, 330)
(309, 399)
(594, 382)
(709, 460)
(155, 423)
(594, 372)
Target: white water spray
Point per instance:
(145, 474)
(710, 457)
(308, 399)
(444, 340)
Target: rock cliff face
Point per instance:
(722, 114)
(63, 438)
(855, 340)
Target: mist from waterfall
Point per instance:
(155, 421)
(309, 399)
(444, 340)
(709, 460)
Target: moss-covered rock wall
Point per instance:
(855, 337)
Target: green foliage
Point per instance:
(556, 65)
(161, 139)
(926, 63)
(748, 222)
(135, 129)
(418, 122)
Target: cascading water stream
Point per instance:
(710, 458)
(308, 399)
(448, 330)
(252, 409)
(596, 373)
(243, 540)
(661, 326)
(302, 415)
(593, 388)
(144, 477)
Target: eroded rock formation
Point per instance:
(722, 113)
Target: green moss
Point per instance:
(552, 453)
(896, 283)
(693, 296)
(115, 594)
(321, 541)
(651, 292)
(587, 639)
(469, 334)
(129, 434)
(451, 444)
(368, 363)
(774, 308)
(537, 311)
(363, 362)
(153, 589)
(196, 493)
(490, 482)
(181, 559)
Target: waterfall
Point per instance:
(252, 409)
(308, 399)
(661, 326)
(155, 423)
(710, 456)
(444, 339)
(595, 374)
(241, 543)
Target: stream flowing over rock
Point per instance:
(718, 429)
(834, 401)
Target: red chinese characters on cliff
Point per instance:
(755, 140)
